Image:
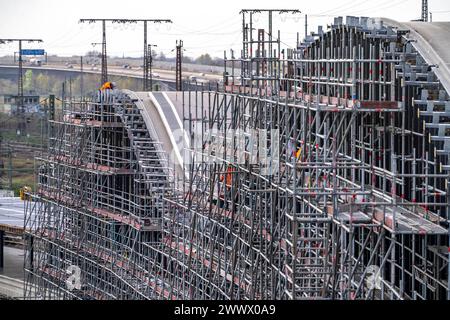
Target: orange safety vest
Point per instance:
(229, 178)
(298, 153)
(106, 85)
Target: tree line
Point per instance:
(41, 83)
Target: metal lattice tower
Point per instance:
(104, 71)
(104, 55)
(147, 73)
(81, 77)
(21, 127)
(178, 69)
(150, 66)
(425, 10)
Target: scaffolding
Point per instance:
(99, 199)
(319, 172)
(314, 175)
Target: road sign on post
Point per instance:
(32, 52)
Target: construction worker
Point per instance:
(23, 193)
(229, 177)
(105, 92)
(298, 153)
(108, 85)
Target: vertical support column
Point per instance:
(232, 67)
(225, 76)
(20, 107)
(244, 69)
(448, 236)
(425, 10)
(149, 66)
(145, 77)
(81, 78)
(354, 97)
(51, 117)
(104, 60)
(250, 55)
(2, 235)
(270, 55)
(10, 166)
(306, 25)
(51, 106)
(178, 66)
(30, 257)
(261, 65)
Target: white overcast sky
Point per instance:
(204, 25)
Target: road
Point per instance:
(12, 274)
(165, 75)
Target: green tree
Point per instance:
(162, 56)
(204, 59)
(42, 83)
(28, 80)
(7, 87)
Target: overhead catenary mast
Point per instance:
(146, 79)
(424, 10)
(21, 126)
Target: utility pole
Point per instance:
(145, 64)
(425, 10)
(10, 166)
(104, 62)
(101, 56)
(265, 65)
(306, 25)
(150, 64)
(104, 77)
(178, 76)
(50, 116)
(104, 55)
(7, 152)
(21, 126)
(147, 86)
(81, 78)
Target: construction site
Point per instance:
(315, 170)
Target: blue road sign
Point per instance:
(32, 52)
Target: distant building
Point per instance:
(8, 103)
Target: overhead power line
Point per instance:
(104, 56)
(21, 125)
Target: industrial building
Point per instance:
(319, 172)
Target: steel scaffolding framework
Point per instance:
(99, 199)
(355, 205)
(319, 172)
